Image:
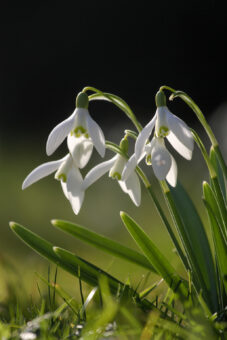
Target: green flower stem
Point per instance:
(131, 134)
(118, 101)
(168, 227)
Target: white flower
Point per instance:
(177, 133)
(170, 126)
(69, 176)
(82, 131)
(115, 166)
(158, 156)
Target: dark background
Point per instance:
(51, 50)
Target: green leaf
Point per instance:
(194, 239)
(103, 243)
(68, 261)
(169, 228)
(85, 270)
(217, 167)
(73, 264)
(156, 258)
(220, 243)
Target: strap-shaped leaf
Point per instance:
(103, 243)
(157, 259)
(68, 261)
(194, 239)
(217, 167)
(220, 243)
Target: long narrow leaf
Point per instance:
(73, 264)
(220, 244)
(169, 228)
(218, 170)
(195, 242)
(157, 259)
(88, 272)
(103, 243)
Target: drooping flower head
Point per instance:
(67, 173)
(115, 166)
(169, 126)
(82, 131)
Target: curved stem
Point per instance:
(118, 101)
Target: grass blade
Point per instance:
(157, 259)
(103, 243)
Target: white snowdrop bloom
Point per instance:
(166, 125)
(82, 131)
(69, 175)
(115, 166)
(158, 156)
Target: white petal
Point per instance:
(98, 171)
(172, 174)
(132, 187)
(64, 188)
(42, 171)
(59, 133)
(182, 149)
(131, 165)
(161, 160)
(74, 189)
(96, 135)
(143, 136)
(182, 134)
(81, 149)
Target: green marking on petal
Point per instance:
(79, 131)
(61, 177)
(116, 175)
(148, 160)
(163, 131)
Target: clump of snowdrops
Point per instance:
(193, 308)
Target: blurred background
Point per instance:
(49, 52)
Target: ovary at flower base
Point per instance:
(82, 134)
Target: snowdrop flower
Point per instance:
(166, 125)
(115, 166)
(82, 131)
(177, 133)
(67, 173)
